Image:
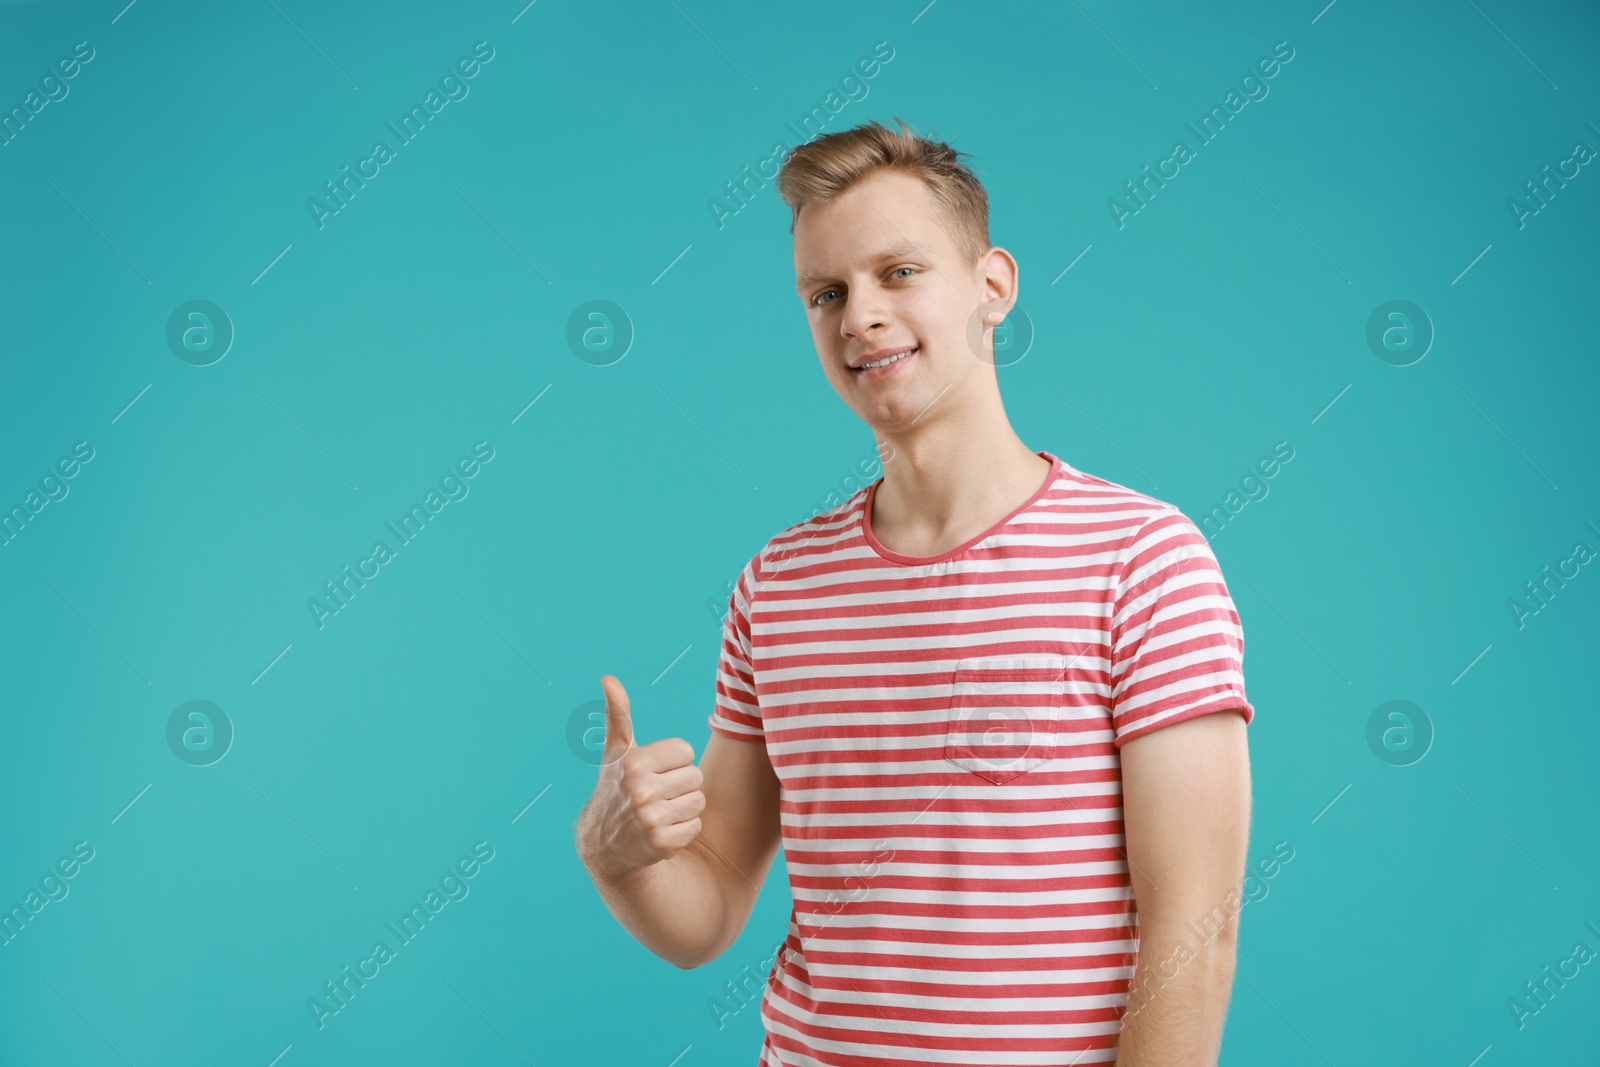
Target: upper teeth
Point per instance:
(889, 359)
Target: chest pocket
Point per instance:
(1005, 714)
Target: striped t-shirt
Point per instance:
(946, 733)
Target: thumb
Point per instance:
(619, 723)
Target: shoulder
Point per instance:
(1118, 509)
(796, 544)
(1143, 534)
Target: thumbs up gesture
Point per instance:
(646, 805)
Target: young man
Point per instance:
(977, 703)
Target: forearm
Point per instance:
(1178, 999)
(676, 907)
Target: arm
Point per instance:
(690, 907)
(1186, 814)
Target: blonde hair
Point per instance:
(826, 166)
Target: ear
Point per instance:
(998, 271)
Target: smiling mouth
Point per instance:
(887, 362)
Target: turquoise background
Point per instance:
(428, 714)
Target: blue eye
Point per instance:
(817, 300)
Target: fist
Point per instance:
(647, 802)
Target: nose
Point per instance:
(865, 315)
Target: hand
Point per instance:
(646, 805)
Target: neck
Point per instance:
(941, 490)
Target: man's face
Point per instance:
(878, 271)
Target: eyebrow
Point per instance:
(807, 280)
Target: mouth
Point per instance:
(888, 364)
